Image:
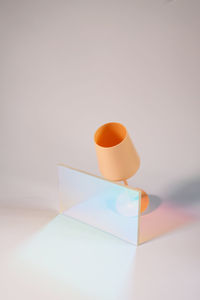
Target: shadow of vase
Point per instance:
(154, 203)
(186, 193)
(182, 206)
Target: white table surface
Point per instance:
(80, 263)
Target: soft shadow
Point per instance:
(186, 193)
(154, 203)
(182, 206)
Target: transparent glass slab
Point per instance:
(108, 206)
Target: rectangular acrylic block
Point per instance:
(108, 206)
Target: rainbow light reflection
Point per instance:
(80, 258)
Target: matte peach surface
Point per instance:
(116, 154)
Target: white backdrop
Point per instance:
(67, 67)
